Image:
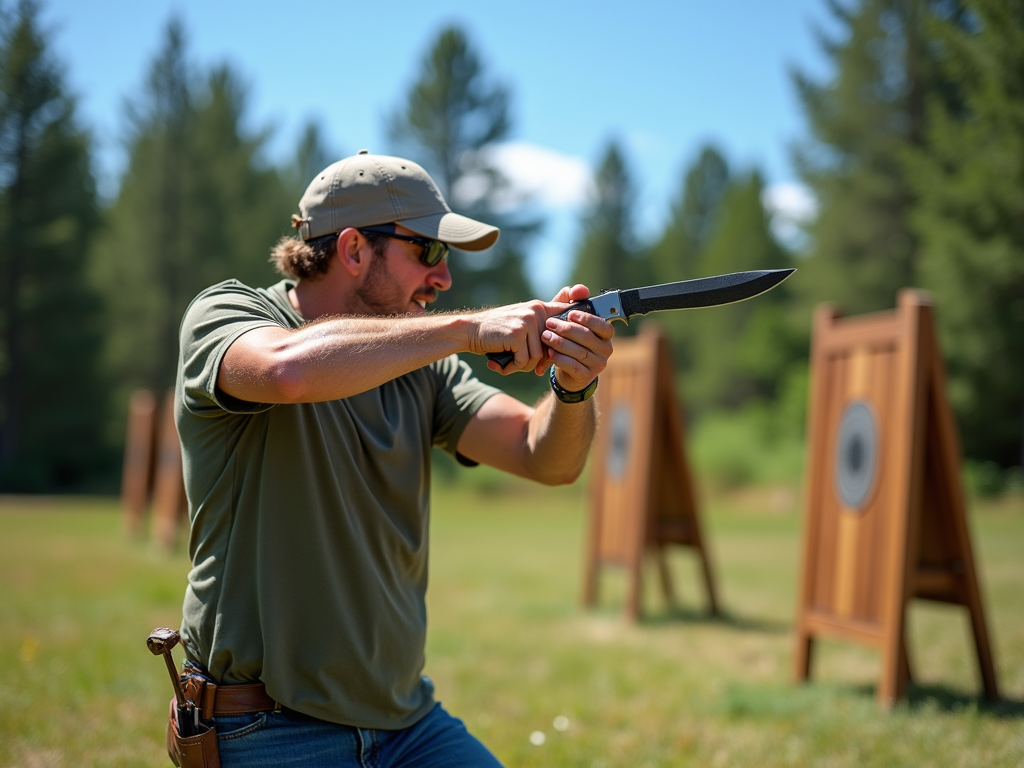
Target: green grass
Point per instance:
(510, 648)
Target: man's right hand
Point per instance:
(516, 329)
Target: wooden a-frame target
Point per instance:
(885, 517)
(642, 494)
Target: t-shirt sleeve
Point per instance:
(459, 395)
(212, 322)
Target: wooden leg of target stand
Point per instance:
(634, 598)
(709, 582)
(803, 655)
(906, 677)
(590, 583)
(667, 587)
(892, 684)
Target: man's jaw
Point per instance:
(424, 297)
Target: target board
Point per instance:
(885, 514)
(642, 495)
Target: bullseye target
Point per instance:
(621, 427)
(856, 458)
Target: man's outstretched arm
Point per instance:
(343, 356)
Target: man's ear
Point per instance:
(350, 245)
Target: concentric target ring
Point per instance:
(621, 424)
(856, 457)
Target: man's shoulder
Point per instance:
(230, 287)
(234, 294)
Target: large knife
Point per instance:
(686, 294)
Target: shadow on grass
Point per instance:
(684, 615)
(922, 698)
(742, 700)
(943, 699)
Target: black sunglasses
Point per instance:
(433, 253)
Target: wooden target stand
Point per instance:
(885, 517)
(152, 468)
(642, 494)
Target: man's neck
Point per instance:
(314, 299)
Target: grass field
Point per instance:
(511, 650)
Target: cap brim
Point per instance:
(455, 229)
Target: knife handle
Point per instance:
(506, 357)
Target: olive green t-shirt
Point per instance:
(310, 523)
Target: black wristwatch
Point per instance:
(571, 397)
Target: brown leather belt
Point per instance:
(213, 699)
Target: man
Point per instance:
(307, 413)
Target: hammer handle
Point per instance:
(179, 694)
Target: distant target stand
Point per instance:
(152, 472)
(642, 497)
(885, 514)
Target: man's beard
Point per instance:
(380, 293)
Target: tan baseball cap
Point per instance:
(365, 190)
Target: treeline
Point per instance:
(914, 156)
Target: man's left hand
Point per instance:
(579, 346)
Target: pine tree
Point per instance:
(741, 350)
(454, 115)
(862, 122)
(196, 205)
(969, 179)
(608, 255)
(139, 262)
(312, 155)
(240, 205)
(50, 404)
(677, 253)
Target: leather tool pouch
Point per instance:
(200, 749)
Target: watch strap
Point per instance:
(571, 397)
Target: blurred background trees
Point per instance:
(913, 153)
(197, 204)
(916, 163)
(52, 407)
(609, 255)
(968, 178)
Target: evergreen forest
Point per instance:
(913, 150)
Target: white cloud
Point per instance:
(551, 178)
(792, 200)
(791, 206)
(557, 184)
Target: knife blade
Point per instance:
(711, 291)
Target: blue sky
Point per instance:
(663, 78)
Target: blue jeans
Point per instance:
(268, 740)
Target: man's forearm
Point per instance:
(337, 357)
(343, 356)
(559, 438)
